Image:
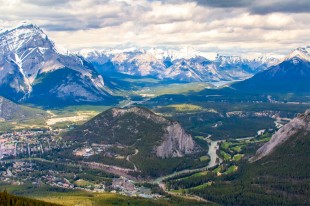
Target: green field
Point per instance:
(79, 197)
(185, 107)
(54, 118)
(237, 157)
(176, 88)
(225, 156)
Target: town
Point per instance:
(28, 143)
(23, 161)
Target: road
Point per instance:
(128, 159)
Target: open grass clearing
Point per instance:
(231, 170)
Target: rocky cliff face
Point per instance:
(176, 142)
(298, 126)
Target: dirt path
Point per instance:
(107, 168)
(51, 113)
(128, 159)
(110, 169)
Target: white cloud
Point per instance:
(76, 24)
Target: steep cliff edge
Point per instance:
(299, 126)
(176, 142)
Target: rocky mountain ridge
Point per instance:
(299, 125)
(177, 142)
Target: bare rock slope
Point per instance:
(176, 142)
(299, 125)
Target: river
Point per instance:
(213, 147)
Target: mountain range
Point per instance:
(33, 70)
(181, 66)
(287, 81)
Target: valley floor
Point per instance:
(34, 158)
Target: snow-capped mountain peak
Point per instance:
(22, 25)
(184, 53)
(302, 53)
(27, 54)
(25, 34)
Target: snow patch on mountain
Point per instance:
(301, 53)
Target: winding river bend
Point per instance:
(213, 147)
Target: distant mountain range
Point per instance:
(182, 66)
(33, 70)
(287, 81)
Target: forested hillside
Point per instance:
(7, 199)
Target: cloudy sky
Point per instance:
(224, 26)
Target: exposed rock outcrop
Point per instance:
(176, 142)
(300, 124)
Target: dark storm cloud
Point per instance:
(256, 6)
(47, 2)
(285, 6)
(75, 25)
(224, 3)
